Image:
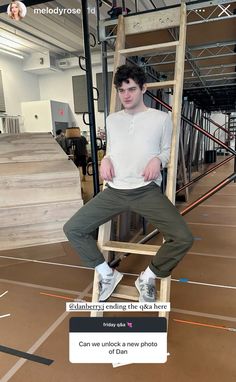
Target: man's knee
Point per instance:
(77, 227)
(185, 238)
(67, 228)
(72, 226)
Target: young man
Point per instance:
(80, 144)
(138, 144)
(62, 141)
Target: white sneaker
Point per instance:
(146, 289)
(108, 283)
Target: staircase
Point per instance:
(39, 190)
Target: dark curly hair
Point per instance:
(126, 72)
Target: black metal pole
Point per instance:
(98, 19)
(89, 80)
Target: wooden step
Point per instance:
(59, 166)
(29, 147)
(38, 213)
(126, 292)
(31, 235)
(161, 84)
(126, 247)
(148, 22)
(30, 190)
(142, 23)
(149, 49)
(39, 190)
(38, 182)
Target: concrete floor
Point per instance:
(38, 322)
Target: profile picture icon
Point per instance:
(16, 10)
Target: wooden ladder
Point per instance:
(148, 22)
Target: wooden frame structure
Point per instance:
(165, 19)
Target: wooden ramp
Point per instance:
(39, 190)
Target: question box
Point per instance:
(118, 340)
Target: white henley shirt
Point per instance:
(134, 139)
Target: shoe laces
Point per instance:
(104, 281)
(149, 289)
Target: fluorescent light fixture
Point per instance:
(12, 53)
(9, 42)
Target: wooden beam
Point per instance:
(176, 107)
(120, 246)
(126, 292)
(165, 293)
(149, 49)
(115, 104)
(161, 84)
(149, 22)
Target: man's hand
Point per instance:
(152, 170)
(106, 169)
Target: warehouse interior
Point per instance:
(56, 67)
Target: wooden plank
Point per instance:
(142, 249)
(59, 166)
(104, 235)
(31, 235)
(105, 229)
(115, 104)
(176, 115)
(19, 191)
(176, 108)
(126, 292)
(42, 196)
(165, 285)
(168, 18)
(95, 295)
(161, 84)
(28, 147)
(37, 180)
(149, 49)
(38, 214)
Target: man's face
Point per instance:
(130, 94)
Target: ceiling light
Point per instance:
(12, 53)
(9, 42)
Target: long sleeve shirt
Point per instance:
(132, 141)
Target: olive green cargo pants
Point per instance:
(147, 201)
